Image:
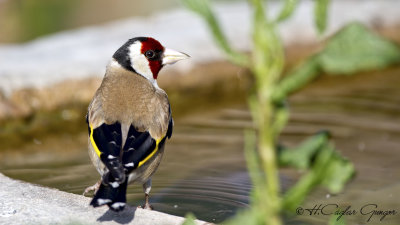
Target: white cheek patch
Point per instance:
(139, 62)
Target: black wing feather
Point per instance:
(108, 141)
(137, 147)
(170, 124)
(170, 128)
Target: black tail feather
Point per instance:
(112, 194)
(119, 202)
(106, 194)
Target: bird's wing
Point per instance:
(141, 146)
(106, 140)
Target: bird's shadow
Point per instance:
(123, 217)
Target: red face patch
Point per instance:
(155, 62)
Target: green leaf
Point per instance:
(253, 216)
(354, 49)
(301, 156)
(335, 221)
(328, 169)
(338, 172)
(287, 10)
(296, 79)
(320, 14)
(203, 9)
(189, 219)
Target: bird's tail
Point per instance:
(111, 193)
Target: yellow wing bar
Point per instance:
(152, 153)
(93, 142)
(98, 152)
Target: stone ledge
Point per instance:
(24, 203)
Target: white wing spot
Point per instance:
(131, 164)
(114, 184)
(131, 149)
(111, 157)
(102, 201)
(118, 205)
(113, 142)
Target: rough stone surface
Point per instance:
(24, 203)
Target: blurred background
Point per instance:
(23, 21)
(53, 55)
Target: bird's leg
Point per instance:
(146, 189)
(147, 204)
(93, 188)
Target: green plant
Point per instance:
(40, 17)
(267, 103)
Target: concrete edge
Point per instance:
(25, 203)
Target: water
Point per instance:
(204, 170)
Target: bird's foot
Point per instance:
(146, 206)
(93, 188)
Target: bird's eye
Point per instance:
(150, 54)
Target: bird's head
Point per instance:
(146, 56)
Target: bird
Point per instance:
(129, 120)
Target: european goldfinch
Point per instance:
(129, 120)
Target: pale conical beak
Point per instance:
(171, 56)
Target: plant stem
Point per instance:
(267, 67)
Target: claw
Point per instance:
(146, 205)
(93, 188)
